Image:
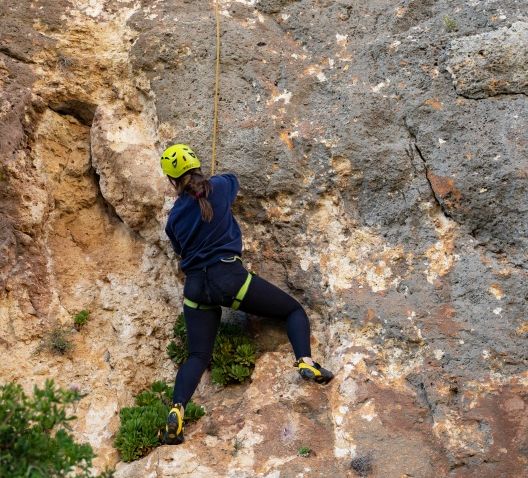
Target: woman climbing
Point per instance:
(206, 236)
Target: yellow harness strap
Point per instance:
(195, 305)
(242, 292)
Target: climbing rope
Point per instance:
(217, 87)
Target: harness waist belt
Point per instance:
(236, 302)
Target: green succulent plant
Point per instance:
(193, 412)
(141, 425)
(234, 353)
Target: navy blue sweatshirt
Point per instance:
(201, 243)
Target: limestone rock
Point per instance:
(123, 154)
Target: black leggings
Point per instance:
(218, 285)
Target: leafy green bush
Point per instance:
(34, 438)
(233, 354)
(142, 425)
(80, 319)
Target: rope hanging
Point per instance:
(217, 87)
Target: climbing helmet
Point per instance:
(178, 159)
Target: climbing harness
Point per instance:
(236, 302)
(239, 297)
(216, 88)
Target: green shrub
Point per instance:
(233, 354)
(142, 425)
(304, 451)
(80, 319)
(34, 438)
(56, 341)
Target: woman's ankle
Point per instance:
(307, 360)
(179, 406)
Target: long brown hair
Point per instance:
(198, 187)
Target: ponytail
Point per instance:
(195, 185)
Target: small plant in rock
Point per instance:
(80, 319)
(65, 62)
(193, 412)
(234, 354)
(34, 434)
(56, 341)
(141, 425)
(304, 451)
(238, 444)
(362, 465)
(450, 24)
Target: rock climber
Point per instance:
(207, 237)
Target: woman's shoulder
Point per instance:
(227, 182)
(229, 179)
(224, 177)
(181, 203)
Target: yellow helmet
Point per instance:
(178, 159)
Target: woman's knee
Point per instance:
(202, 357)
(297, 310)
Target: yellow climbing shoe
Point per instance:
(173, 434)
(314, 372)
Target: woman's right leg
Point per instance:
(202, 326)
(267, 300)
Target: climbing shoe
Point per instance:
(314, 372)
(173, 434)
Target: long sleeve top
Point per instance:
(201, 243)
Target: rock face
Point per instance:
(491, 63)
(382, 150)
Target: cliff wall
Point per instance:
(382, 152)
